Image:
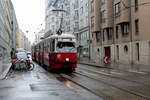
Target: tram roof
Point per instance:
(63, 35)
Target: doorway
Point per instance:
(107, 51)
(117, 52)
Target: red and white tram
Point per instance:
(56, 52)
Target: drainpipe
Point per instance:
(89, 29)
(113, 30)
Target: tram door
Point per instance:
(108, 52)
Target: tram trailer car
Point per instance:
(57, 52)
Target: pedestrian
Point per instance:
(13, 56)
(13, 53)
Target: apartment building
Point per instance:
(95, 30)
(140, 31)
(50, 18)
(123, 33)
(84, 28)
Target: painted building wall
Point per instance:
(130, 48)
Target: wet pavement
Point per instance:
(87, 83)
(41, 85)
(114, 84)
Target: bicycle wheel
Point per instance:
(31, 67)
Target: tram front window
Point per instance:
(65, 47)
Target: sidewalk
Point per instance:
(5, 70)
(126, 67)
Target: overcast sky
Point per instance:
(30, 15)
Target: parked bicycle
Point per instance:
(29, 64)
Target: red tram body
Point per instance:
(56, 52)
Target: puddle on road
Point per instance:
(67, 83)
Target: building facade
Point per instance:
(84, 28)
(122, 33)
(52, 18)
(7, 32)
(22, 42)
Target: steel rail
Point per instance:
(125, 90)
(115, 77)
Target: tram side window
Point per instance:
(44, 46)
(53, 45)
(49, 46)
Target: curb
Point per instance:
(3, 75)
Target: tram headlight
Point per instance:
(67, 59)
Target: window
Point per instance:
(92, 6)
(137, 26)
(137, 52)
(53, 45)
(98, 36)
(109, 33)
(116, 32)
(65, 47)
(76, 27)
(103, 1)
(81, 9)
(53, 19)
(117, 52)
(103, 16)
(125, 29)
(103, 34)
(76, 14)
(136, 5)
(117, 10)
(68, 11)
(126, 49)
(92, 22)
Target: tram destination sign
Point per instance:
(67, 39)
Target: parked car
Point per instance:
(19, 61)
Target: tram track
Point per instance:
(78, 75)
(101, 94)
(115, 77)
(122, 89)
